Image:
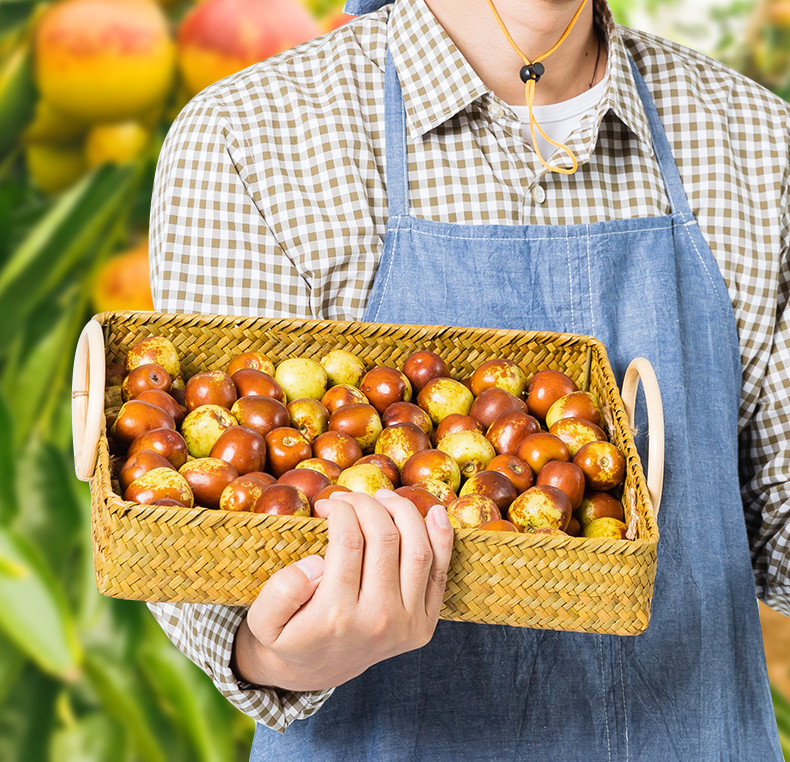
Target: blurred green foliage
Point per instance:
(83, 677)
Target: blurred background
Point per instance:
(88, 90)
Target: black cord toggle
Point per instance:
(532, 71)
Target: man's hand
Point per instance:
(318, 623)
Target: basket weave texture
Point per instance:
(199, 555)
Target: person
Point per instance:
(416, 165)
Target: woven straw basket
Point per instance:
(156, 553)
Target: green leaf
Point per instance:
(12, 660)
(27, 718)
(15, 14)
(92, 738)
(28, 387)
(190, 699)
(782, 711)
(62, 242)
(7, 464)
(117, 629)
(34, 613)
(51, 518)
(117, 693)
(17, 95)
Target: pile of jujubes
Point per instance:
(500, 450)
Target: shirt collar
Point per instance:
(419, 44)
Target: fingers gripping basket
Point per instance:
(198, 555)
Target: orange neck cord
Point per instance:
(530, 73)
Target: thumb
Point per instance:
(283, 594)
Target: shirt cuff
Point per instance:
(778, 598)
(205, 634)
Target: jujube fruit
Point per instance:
(545, 388)
(261, 414)
(243, 448)
(423, 366)
(285, 448)
(401, 442)
(208, 477)
(383, 386)
(432, 464)
(309, 417)
(283, 500)
(493, 402)
(154, 349)
(538, 449)
(140, 463)
(343, 368)
(254, 360)
(565, 476)
(158, 484)
(603, 465)
(360, 421)
(210, 387)
(501, 374)
(543, 506)
(164, 400)
(407, 412)
(143, 377)
(575, 405)
(520, 474)
(471, 511)
(364, 477)
(167, 442)
(491, 484)
(337, 396)
(255, 383)
(203, 427)
(136, 417)
(508, 430)
(387, 465)
(337, 447)
(310, 482)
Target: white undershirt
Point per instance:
(559, 120)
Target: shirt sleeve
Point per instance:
(205, 634)
(211, 249)
(212, 252)
(765, 448)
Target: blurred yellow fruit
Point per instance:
(334, 20)
(778, 13)
(123, 284)
(104, 60)
(53, 168)
(220, 37)
(52, 126)
(118, 143)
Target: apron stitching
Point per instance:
(687, 230)
(536, 238)
(589, 282)
(387, 279)
(570, 281)
(625, 705)
(605, 708)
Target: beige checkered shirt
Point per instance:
(270, 200)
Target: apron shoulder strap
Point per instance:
(396, 155)
(678, 201)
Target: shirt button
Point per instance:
(538, 194)
(497, 110)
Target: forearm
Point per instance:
(205, 634)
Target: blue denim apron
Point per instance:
(694, 685)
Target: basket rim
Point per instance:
(107, 318)
(199, 318)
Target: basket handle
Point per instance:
(87, 398)
(640, 369)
